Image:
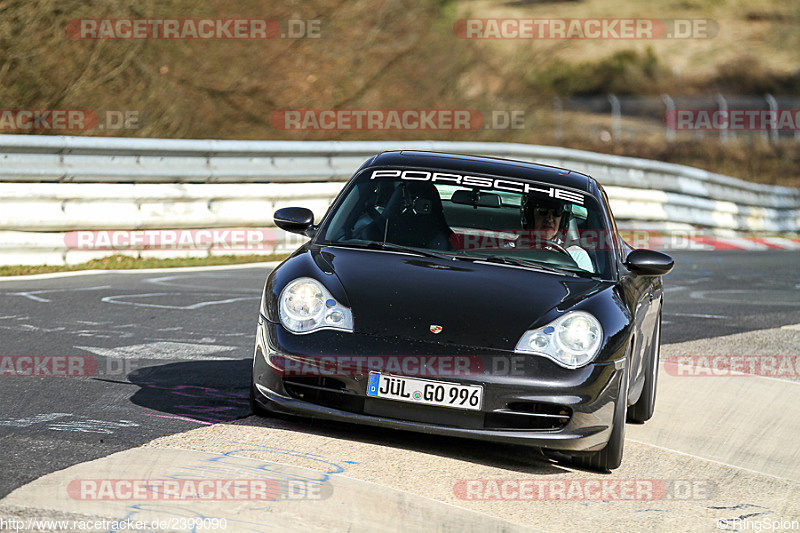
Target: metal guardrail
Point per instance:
(58, 184)
(37, 158)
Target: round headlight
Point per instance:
(306, 305)
(572, 340)
(303, 300)
(578, 333)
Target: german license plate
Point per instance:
(425, 391)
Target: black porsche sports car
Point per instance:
(465, 296)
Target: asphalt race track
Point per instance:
(163, 362)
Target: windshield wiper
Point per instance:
(374, 245)
(588, 275)
(399, 248)
(534, 265)
(529, 264)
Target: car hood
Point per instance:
(475, 304)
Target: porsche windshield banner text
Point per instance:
(480, 182)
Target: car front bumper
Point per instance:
(527, 400)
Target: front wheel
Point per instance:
(643, 409)
(610, 457)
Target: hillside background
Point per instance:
(403, 54)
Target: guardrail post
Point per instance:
(616, 120)
(773, 124)
(669, 114)
(722, 104)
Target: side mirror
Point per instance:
(649, 262)
(294, 219)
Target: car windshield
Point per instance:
(504, 220)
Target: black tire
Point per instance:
(643, 409)
(610, 457)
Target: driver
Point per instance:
(550, 222)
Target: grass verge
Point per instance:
(122, 262)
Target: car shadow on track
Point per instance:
(212, 392)
(207, 392)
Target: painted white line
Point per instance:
(713, 461)
(31, 327)
(49, 275)
(32, 294)
(200, 281)
(90, 425)
(118, 299)
(696, 315)
(743, 296)
(695, 281)
(32, 420)
(162, 350)
(675, 289)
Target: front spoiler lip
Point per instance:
(581, 439)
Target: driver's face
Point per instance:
(546, 221)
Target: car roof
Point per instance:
(487, 165)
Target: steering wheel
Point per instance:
(555, 246)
